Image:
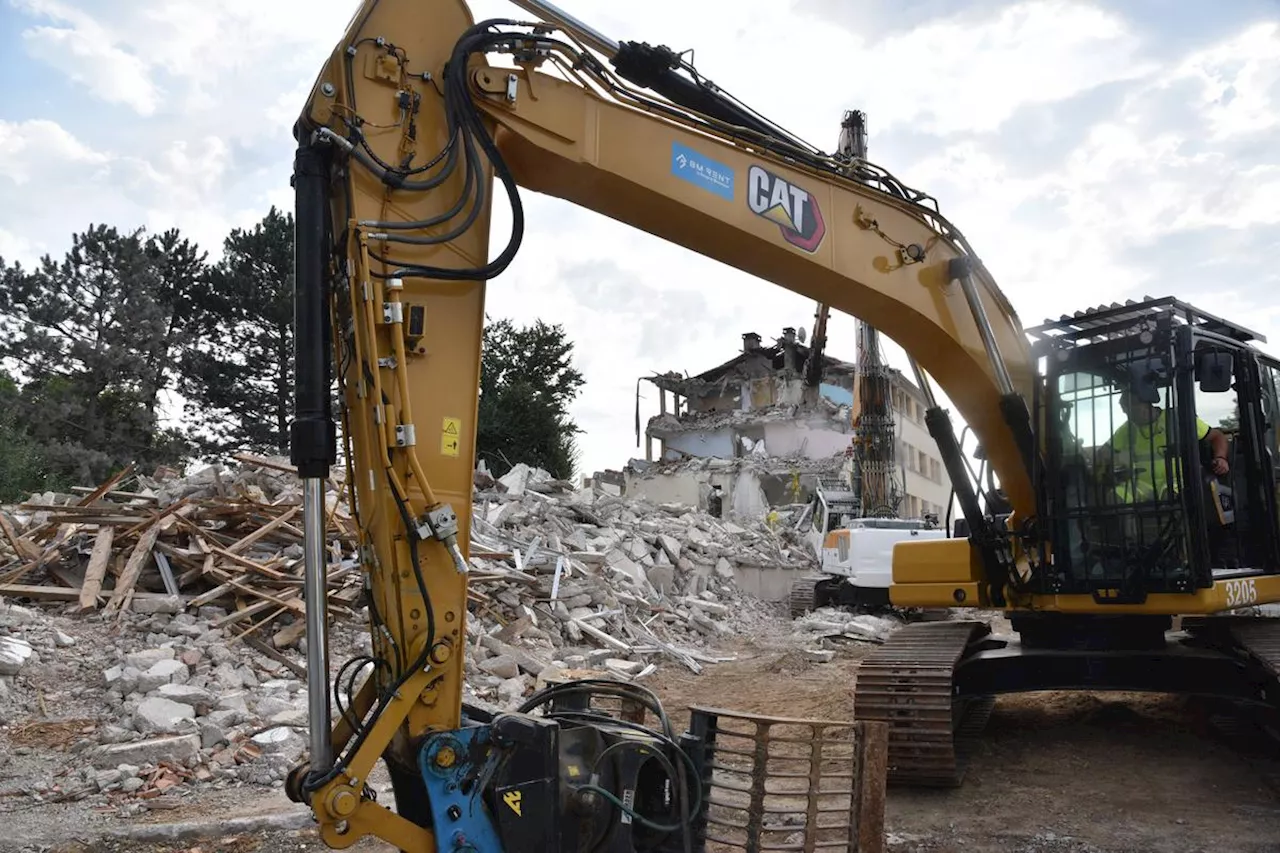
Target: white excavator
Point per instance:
(856, 515)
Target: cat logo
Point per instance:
(512, 799)
(794, 210)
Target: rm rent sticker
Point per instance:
(701, 171)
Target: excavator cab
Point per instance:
(1134, 526)
(1134, 401)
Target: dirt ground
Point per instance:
(1054, 773)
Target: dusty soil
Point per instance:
(1054, 773)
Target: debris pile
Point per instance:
(568, 580)
(230, 538)
(172, 655)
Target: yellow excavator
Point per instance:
(1118, 505)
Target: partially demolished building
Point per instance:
(752, 433)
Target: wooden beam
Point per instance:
(295, 667)
(24, 549)
(265, 530)
(97, 570)
(870, 776)
(133, 568)
(59, 593)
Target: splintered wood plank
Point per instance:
(265, 530)
(48, 551)
(115, 493)
(95, 495)
(870, 779)
(97, 570)
(58, 593)
(250, 459)
(24, 549)
(290, 634)
(264, 569)
(254, 609)
(178, 509)
(290, 601)
(217, 592)
(98, 493)
(129, 577)
(262, 646)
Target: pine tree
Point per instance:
(239, 380)
(527, 381)
(91, 346)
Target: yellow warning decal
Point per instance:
(512, 799)
(450, 433)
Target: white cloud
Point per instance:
(32, 147)
(1070, 198)
(1239, 78)
(85, 49)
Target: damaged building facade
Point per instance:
(753, 433)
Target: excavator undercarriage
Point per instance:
(935, 683)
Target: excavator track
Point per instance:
(1260, 639)
(1242, 729)
(908, 682)
(803, 597)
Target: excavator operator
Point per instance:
(1134, 457)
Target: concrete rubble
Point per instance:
(132, 708)
(571, 579)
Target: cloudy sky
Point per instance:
(1090, 151)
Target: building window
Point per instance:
(935, 471)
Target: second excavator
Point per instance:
(1134, 445)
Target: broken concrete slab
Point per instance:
(169, 604)
(186, 694)
(180, 748)
(527, 662)
(14, 655)
(146, 658)
(156, 715)
(818, 655)
(503, 666)
(163, 672)
(15, 616)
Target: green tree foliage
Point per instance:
(100, 343)
(527, 381)
(238, 379)
(24, 467)
(1231, 422)
(92, 339)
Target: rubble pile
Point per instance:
(570, 580)
(184, 665)
(136, 709)
(226, 537)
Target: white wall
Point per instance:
(812, 441)
(918, 483)
(680, 488)
(717, 443)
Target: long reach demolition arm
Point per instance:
(399, 144)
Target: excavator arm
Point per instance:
(419, 123)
